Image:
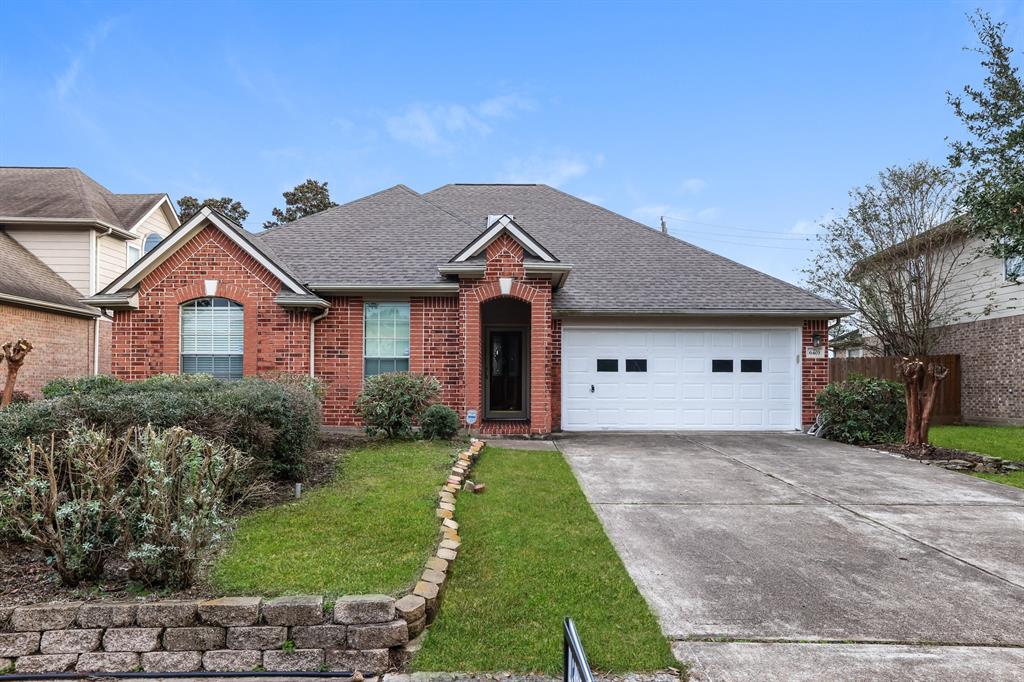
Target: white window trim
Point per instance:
(389, 357)
(128, 248)
(181, 326)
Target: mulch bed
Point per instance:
(26, 579)
(929, 452)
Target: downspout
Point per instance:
(94, 286)
(96, 345)
(312, 341)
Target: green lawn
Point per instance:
(369, 531)
(999, 441)
(532, 553)
(1015, 479)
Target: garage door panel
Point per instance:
(678, 390)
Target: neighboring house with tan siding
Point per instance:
(988, 295)
(63, 237)
(985, 301)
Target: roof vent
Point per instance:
(504, 218)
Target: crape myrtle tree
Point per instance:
(188, 206)
(892, 258)
(990, 159)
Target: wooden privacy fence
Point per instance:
(947, 402)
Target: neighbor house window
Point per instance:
(152, 239)
(134, 254)
(386, 338)
(211, 338)
(1013, 268)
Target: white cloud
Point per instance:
(504, 106)
(549, 170)
(436, 127)
(693, 185)
(431, 126)
(67, 81)
(811, 227)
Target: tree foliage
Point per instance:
(188, 206)
(305, 199)
(886, 260)
(892, 259)
(991, 158)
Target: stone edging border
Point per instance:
(987, 464)
(365, 633)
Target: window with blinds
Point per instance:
(211, 338)
(386, 338)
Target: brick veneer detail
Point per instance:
(814, 371)
(991, 368)
(62, 344)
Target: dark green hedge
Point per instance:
(863, 410)
(274, 421)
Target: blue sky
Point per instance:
(751, 119)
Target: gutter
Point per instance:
(700, 312)
(58, 223)
(312, 341)
(46, 305)
(406, 289)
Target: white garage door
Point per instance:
(650, 379)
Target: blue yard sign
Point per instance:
(471, 417)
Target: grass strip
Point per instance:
(369, 531)
(533, 552)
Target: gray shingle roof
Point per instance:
(398, 237)
(25, 276)
(68, 193)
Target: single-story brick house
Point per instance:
(535, 309)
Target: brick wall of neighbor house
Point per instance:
(814, 371)
(146, 341)
(62, 345)
(991, 368)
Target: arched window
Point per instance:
(152, 239)
(211, 338)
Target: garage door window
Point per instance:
(636, 365)
(750, 365)
(721, 365)
(607, 365)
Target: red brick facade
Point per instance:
(991, 368)
(62, 345)
(813, 371)
(146, 340)
(446, 332)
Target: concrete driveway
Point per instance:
(817, 554)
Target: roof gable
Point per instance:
(205, 217)
(498, 225)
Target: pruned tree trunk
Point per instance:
(922, 383)
(14, 353)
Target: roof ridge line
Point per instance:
(690, 244)
(328, 210)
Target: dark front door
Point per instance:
(506, 374)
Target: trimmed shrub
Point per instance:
(439, 422)
(66, 499)
(275, 422)
(390, 403)
(863, 410)
(90, 384)
(176, 502)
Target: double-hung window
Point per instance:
(211, 338)
(385, 338)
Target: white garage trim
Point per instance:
(674, 403)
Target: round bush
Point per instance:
(439, 422)
(863, 410)
(390, 403)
